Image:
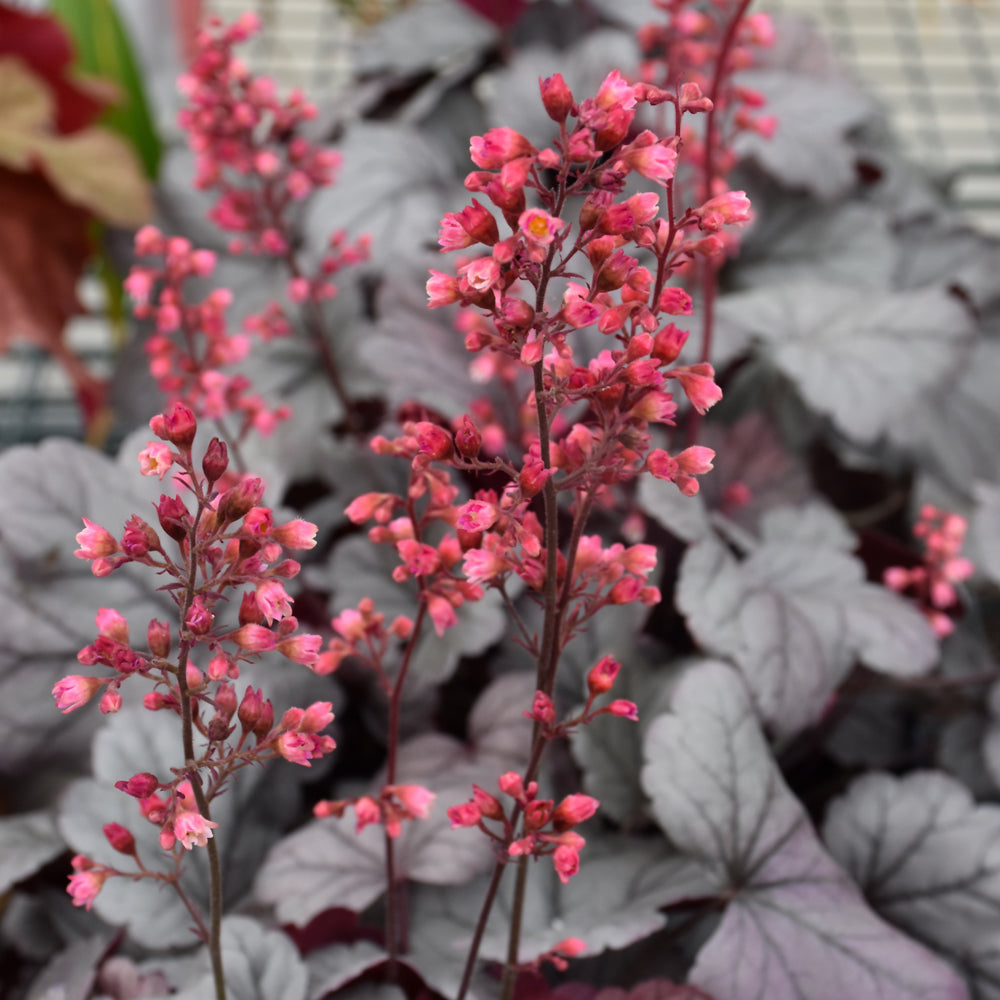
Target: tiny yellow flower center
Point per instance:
(538, 226)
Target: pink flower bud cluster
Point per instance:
(391, 807)
(600, 680)
(624, 390)
(212, 541)
(933, 583)
(546, 830)
(192, 343)
(692, 57)
(249, 147)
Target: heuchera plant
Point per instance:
(607, 671)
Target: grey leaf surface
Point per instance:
(27, 842)
(632, 878)
(796, 613)
(847, 243)
(332, 967)
(259, 963)
(798, 924)
(750, 464)
(50, 597)
(927, 858)
(809, 149)
(953, 429)
(381, 157)
(859, 358)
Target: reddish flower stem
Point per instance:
(214, 941)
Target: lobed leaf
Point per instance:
(859, 358)
(796, 613)
(797, 924)
(927, 857)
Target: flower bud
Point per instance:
(173, 516)
(468, 440)
(216, 460)
(572, 810)
(602, 675)
(433, 441)
(238, 501)
(199, 618)
(110, 701)
(177, 425)
(265, 722)
(557, 97)
(119, 838)
(140, 786)
(250, 709)
(158, 638)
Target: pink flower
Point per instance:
(481, 566)
(649, 158)
(95, 542)
(615, 93)
(192, 829)
(442, 290)
(566, 861)
(698, 383)
(84, 886)
(73, 691)
(155, 459)
(442, 613)
(300, 748)
(255, 638)
(601, 677)
(624, 709)
(367, 811)
(297, 534)
(273, 601)
(539, 227)
(415, 799)
(476, 515)
(302, 649)
(572, 810)
(480, 275)
(497, 147)
(420, 559)
(465, 814)
(731, 208)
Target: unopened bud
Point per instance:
(216, 460)
(557, 97)
(119, 838)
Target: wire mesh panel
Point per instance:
(935, 66)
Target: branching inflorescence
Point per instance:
(566, 281)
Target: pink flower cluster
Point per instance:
(624, 388)
(600, 680)
(393, 805)
(932, 584)
(249, 147)
(192, 343)
(547, 829)
(224, 540)
(696, 50)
